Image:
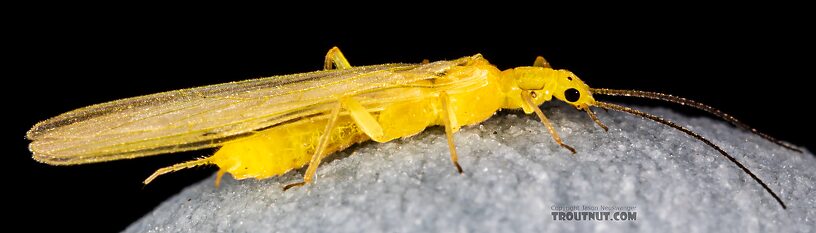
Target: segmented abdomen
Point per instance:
(282, 148)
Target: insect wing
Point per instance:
(208, 116)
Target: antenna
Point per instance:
(694, 104)
(697, 136)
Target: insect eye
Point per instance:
(572, 95)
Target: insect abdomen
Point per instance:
(279, 149)
(290, 146)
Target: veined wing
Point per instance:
(208, 116)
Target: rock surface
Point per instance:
(516, 179)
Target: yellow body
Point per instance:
(289, 146)
(268, 126)
(280, 149)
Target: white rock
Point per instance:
(514, 175)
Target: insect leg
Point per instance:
(364, 120)
(541, 62)
(451, 126)
(319, 151)
(218, 177)
(529, 101)
(336, 58)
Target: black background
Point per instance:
(748, 63)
